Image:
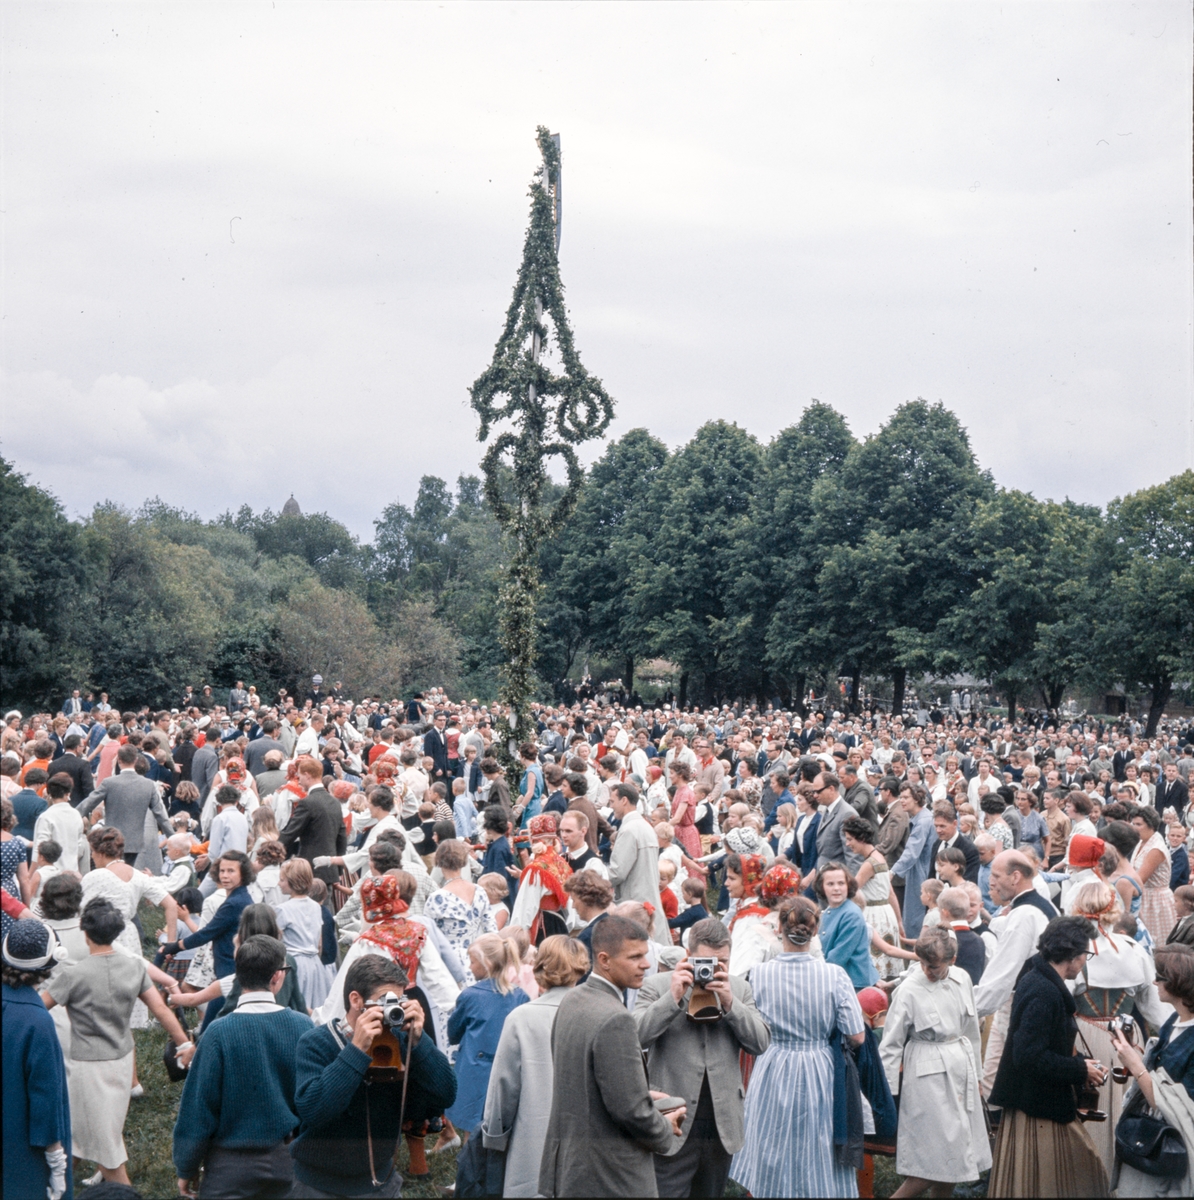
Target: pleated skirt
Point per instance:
(1035, 1157)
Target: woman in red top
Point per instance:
(684, 804)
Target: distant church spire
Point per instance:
(291, 508)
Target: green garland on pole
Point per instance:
(569, 409)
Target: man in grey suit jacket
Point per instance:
(603, 1128)
(127, 797)
(834, 811)
(699, 1061)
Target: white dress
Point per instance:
(932, 1028)
(300, 921)
(881, 917)
(126, 897)
(202, 970)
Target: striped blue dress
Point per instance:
(788, 1149)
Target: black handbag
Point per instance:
(1150, 1144)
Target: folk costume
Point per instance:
(541, 884)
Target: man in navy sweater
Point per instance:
(351, 1126)
(238, 1109)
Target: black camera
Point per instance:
(703, 970)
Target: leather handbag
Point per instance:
(1150, 1144)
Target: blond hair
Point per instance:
(298, 875)
(561, 962)
(501, 960)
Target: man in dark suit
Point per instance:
(1120, 760)
(1183, 902)
(206, 761)
(316, 825)
(78, 768)
(435, 743)
(858, 794)
(1172, 791)
(604, 1128)
(945, 822)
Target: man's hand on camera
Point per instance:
(414, 1019)
(720, 986)
(681, 980)
(369, 1025)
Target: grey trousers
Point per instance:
(390, 1187)
(244, 1174)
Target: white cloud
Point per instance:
(250, 250)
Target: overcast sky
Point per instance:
(256, 249)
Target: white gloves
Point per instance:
(56, 1161)
(322, 860)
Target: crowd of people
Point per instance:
(667, 949)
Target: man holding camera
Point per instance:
(693, 1022)
(350, 1098)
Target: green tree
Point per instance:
(43, 574)
(590, 595)
(893, 526)
(1145, 613)
(777, 565)
(154, 611)
(683, 571)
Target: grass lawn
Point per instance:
(149, 1128)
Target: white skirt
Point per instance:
(99, 1102)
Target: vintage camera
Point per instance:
(385, 1055)
(392, 1011)
(703, 970)
(1126, 1026)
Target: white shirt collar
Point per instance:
(258, 1002)
(613, 987)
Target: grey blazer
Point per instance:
(126, 798)
(604, 1130)
(680, 1053)
(830, 847)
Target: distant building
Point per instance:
(291, 508)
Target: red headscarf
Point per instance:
(383, 907)
(342, 790)
(782, 880)
(549, 867)
(1085, 851)
(754, 867)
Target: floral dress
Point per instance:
(462, 924)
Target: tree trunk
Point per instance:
(683, 697)
(798, 695)
(899, 678)
(1011, 706)
(855, 683)
(1162, 689)
(628, 681)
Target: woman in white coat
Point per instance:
(518, 1103)
(932, 1029)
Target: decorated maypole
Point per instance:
(549, 415)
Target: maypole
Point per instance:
(569, 408)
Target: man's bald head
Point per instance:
(1011, 874)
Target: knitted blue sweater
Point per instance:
(240, 1087)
